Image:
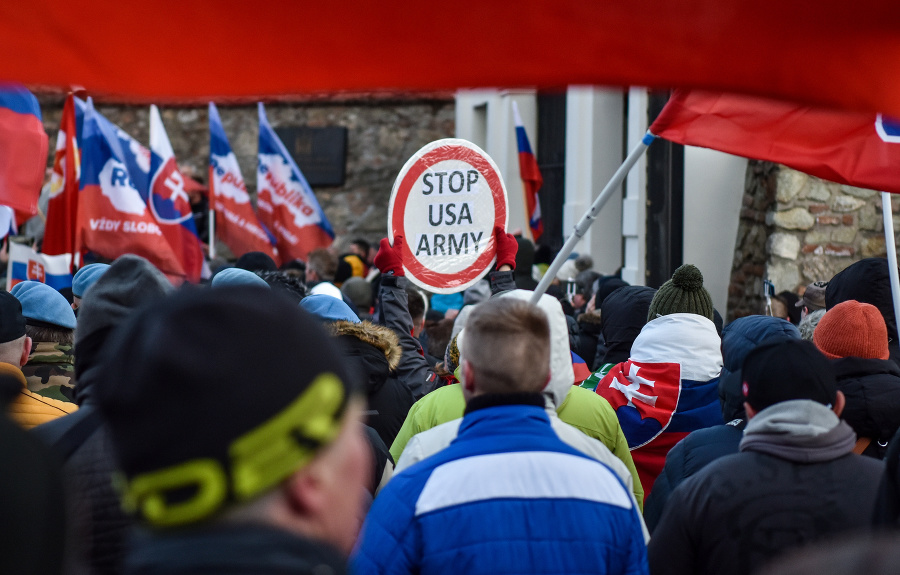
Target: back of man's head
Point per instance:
(507, 347)
(323, 263)
(785, 370)
(13, 341)
(417, 305)
(198, 432)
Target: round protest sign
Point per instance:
(445, 203)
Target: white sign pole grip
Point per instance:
(588, 218)
(891, 248)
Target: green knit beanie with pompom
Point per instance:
(684, 293)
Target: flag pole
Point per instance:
(588, 218)
(890, 245)
(212, 231)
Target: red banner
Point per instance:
(852, 148)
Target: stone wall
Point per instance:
(383, 132)
(801, 229)
(749, 265)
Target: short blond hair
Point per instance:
(507, 345)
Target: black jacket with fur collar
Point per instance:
(373, 351)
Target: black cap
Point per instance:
(223, 392)
(256, 262)
(783, 370)
(12, 322)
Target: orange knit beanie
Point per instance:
(852, 329)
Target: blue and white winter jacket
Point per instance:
(507, 496)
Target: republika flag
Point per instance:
(236, 222)
(170, 203)
(113, 218)
(531, 178)
(23, 149)
(286, 203)
(851, 148)
(26, 264)
(62, 207)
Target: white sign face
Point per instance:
(446, 202)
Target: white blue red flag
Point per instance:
(62, 207)
(287, 204)
(236, 222)
(26, 264)
(657, 407)
(170, 203)
(531, 178)
(23, 149)
(113, 217)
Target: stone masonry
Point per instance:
(796, 229)
(383, 132)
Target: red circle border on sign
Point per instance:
(484, 167)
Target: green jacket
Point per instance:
(588, 412)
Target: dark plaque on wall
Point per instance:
(321, 153)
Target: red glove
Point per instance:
(506, 248)
(390, 258)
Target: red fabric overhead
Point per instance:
(830, 52)
(855, 148)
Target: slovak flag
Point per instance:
(26, 264)
(113, 218)
(23, 149)
(286, 203)
(531, 178)
(236, 222)
(170, 203)
(62, 207)
(852, 148)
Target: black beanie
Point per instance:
(782, 370)
(214, 396)
(256, 262)
(684, 293)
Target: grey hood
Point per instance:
(130, 282)
(799, 430)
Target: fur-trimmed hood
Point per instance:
(378, 336)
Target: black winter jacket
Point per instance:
(688, 457)
(795, 481)
(232, 550)
(373, 351)
(872, 389)
(98, 523)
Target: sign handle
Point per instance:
(891, 248)
(588, 218)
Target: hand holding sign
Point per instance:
(507, 248)
(390, 258)
(446, 201)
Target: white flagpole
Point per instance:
(588, 218)
(891, 248)
(212, 227)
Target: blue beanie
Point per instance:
(238, 277)
(85, 278)
(328, 308)
(41, 304)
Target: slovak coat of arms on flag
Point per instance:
(36, 271)
(644, 395)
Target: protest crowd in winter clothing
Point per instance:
(331, 417)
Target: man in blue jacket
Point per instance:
(507, 496)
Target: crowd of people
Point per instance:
(329, 417)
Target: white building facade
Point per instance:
(601, 125)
